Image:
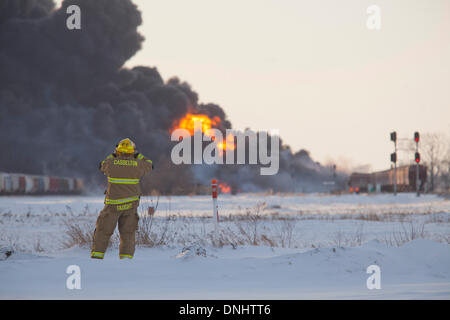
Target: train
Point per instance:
(383, 181)
(17, 183)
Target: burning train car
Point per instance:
(383, 181)
(16, 183)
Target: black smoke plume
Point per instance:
(66, 99)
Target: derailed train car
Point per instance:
(16, 183)
(383, 181)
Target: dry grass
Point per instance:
(409, 231)
(78, 234)
(154, 232)
(438, 218)
(174, 230)
(256, 227)
(345, 239)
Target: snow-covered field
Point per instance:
(312, 246)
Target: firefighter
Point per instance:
(124, 168)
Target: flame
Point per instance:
(224, 188)
(227, 143)
(187, 122)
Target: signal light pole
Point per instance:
(394, 159)
(417, 158)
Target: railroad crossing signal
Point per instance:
(394, 136)
(417, 157)
(394, 157)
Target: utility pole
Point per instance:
(394, 159)
(417, 158)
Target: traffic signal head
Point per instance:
(394, 157)
(416, 136)
(394, 136)
(417, 157)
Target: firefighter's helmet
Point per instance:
(126, 146)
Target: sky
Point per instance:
(311, 69)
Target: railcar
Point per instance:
(383, 181)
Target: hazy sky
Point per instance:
(311, 69)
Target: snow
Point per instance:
(332, 247)
(418, 270)
(201, 205)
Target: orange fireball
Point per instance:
(187, 122)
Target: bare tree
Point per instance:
(445, 170)
(435, 151)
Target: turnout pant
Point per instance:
(126, 217)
